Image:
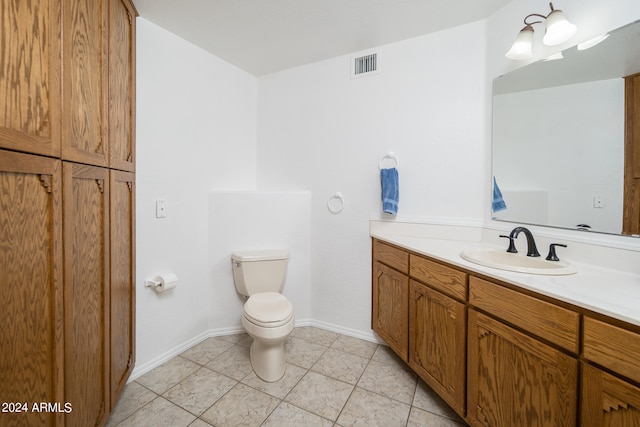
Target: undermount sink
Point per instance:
(520, 263)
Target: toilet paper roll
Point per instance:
(167, 281)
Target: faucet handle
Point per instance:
(512, 245)
(552, 251)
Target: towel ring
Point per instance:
(335, 204)
(389, 156)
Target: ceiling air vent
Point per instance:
(365, 65)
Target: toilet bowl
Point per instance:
(268, 315)
(268, 319)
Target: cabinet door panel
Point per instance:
(31, 355)
(30, 76)
(86, 296)
(391, 308)
(121, 85)
(122, 275)
(607, 400)
(515, 380)
(437, 338)
(85, 77)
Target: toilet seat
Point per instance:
(268, 309)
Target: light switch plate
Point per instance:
(161, 208)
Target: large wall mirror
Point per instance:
(559, 136)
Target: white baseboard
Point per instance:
(140, 370)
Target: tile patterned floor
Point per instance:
(331, 380)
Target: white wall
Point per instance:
(241, 221)
(320, 130)
(203, 125)
(196, 131)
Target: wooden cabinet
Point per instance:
(424, 326)
(501, 356)
(122, 279)
(86, 294)
(67, 215)
(30, 76)
(437, 347)
(122, 53)
(608, 400)
(515, 380)
(390, 308)
(31, 311)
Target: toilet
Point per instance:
(268, 315)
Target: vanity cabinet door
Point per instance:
(516, 380)
(607, 400)
(437, 336)
(389, 318)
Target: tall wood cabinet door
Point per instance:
(121, 131)
(515, 380)
(437, 343)
(84, 81)
(391, 308)
(86, 293)
(122, 292)
(607, 400)
(30, 76)
(31, 351)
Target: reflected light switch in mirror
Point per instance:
(598, 201)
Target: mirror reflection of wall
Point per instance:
(559, 137)
(552, 170)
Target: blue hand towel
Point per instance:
(498, 203)
(390, 190)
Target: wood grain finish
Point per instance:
(448, 280)
(122, 289)
(121, 85)
(437, 343)
(86, 295)
(612, 347)
(30, 76)
(515, 380)
(31, 354)
(392, 256)
(548, 321)
(631, 210)
(85, 77)
(607, 400)
(391, 308)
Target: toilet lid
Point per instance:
(268, 307)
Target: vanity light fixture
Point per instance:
(558, 30)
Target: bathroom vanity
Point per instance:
(507, 349)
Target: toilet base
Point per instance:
(267, 359)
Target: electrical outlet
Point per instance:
(161, 208)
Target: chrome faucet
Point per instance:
(532, 250)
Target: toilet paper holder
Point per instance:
(152, 283)
(162, 283)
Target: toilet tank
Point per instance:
(259, 271)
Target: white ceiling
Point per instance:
(264, 36)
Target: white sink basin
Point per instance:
(519, 262)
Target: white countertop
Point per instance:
(602, 290)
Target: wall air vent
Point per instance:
(364, 65)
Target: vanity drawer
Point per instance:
(612, 347)
(548, 321)
(391, 256)
(447, 280)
